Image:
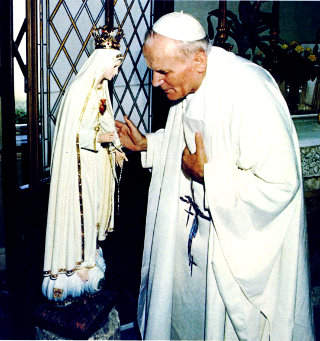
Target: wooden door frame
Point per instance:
(34, 143)
(8, 152)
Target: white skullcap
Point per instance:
(179, 26)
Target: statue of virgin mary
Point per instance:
(86, 149)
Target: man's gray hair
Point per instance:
(187, 48)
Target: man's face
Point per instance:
(176, 74)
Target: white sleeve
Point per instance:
(262, 174)
(154, 141)
(88, 139)
(252, 190)
(107, 125)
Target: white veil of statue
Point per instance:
(81, 201)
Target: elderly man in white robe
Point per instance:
(225, 255)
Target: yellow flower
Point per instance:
(294, 43)
(299, 48)
(309, 49)
(284, 46)
(312, 57)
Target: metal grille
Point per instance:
(66, 43)
(132, 86)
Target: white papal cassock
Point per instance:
(251, 280)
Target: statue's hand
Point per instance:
(106, 137)
(120, 157)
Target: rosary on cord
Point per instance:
(102, 109)
(195, 225)
(118, 194)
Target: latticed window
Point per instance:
(66, 43)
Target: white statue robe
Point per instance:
(251, 281)
(81, 201)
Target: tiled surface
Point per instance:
(308, 130)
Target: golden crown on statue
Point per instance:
(106, 37)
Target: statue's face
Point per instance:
(112, 70)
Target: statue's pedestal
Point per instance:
(92, 317)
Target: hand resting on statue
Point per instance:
(130, 136)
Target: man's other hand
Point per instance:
(193, 164)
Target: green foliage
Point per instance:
(21, 113)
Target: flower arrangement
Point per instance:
(291, 62)
(293, 66)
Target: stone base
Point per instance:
(110, 331)
(93, 317)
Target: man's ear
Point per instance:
(200, 59)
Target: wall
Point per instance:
(1, 201)
(200, 10)
(2, 237)
(298, 20)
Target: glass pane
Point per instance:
(19, 14)
(134, 17)
(66, 25)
